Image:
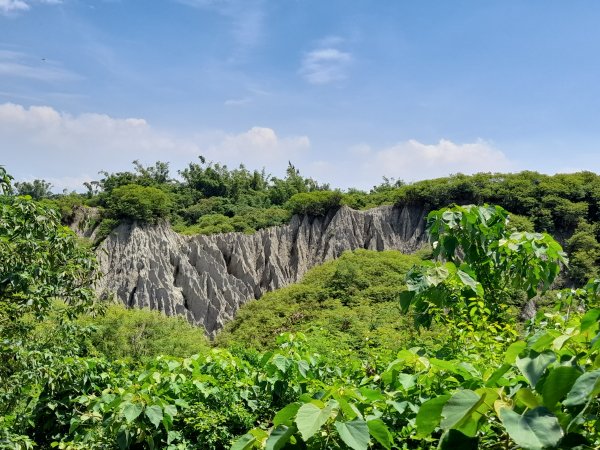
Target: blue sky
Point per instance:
(349, 91)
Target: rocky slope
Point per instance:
(207, 278)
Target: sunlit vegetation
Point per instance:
(346, 307)
(372, 351)
(207, 198)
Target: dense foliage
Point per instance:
(74, 383)
(482, 264)
(135, 202)
(211, 198)
(317, 203)
(140, 334)
(345, 307)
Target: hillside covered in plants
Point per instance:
(373, 350)
(207, 198)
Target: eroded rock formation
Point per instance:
(207, 278)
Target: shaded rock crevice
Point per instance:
(207, 278)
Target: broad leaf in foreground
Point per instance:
(310, 418)
(535, 430)
(355, 434)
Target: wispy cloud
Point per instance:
(253, 94)
(246, 17)
(326, 63)
(13, 7)
(237, 101)
(21, 65)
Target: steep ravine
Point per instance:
(207, 278)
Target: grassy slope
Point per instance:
(344, 306)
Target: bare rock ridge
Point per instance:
(207, 278)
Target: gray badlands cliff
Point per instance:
(207, 278)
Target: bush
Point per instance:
(212, 205)
(316, 203)
(65, 205)
(584, 251)
(209, 224)
(344, 307)
(144, 203)
(520, 223)
(142, 334)
(105, 228)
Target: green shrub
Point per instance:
(65, 205)
(206, 206)
(135, 202)
(105, 228)
(584, 251)
(258, 218)
(209, 224)
(142, 334)
(316, 203)
(520, 223)
(345, 306)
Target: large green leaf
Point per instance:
(355, 434)
(124, 439)
(310, 418)
(468, 280)
(429, 415)
(407, 381)
(526, 397)
(586, 385)
(438, 274)
(282, 363)
(497, 375)
(454, 440)
(284, 415)
(245, 442)
(132, 411)
(406, 297)
(589, 319)
(470, 425)
(380, 432)
(513, 351)
(279, 437)
(459, 408)
(534, 365)
(558, 384)
(535, 430)
(154, 413)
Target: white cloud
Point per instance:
(325, 65)
(11, 7)
(41, 142)
(413, 160)
(412, 157)
(363, 166)
(259, 145)
(65, 149)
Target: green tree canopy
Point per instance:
(135, 202)
(36, 189)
